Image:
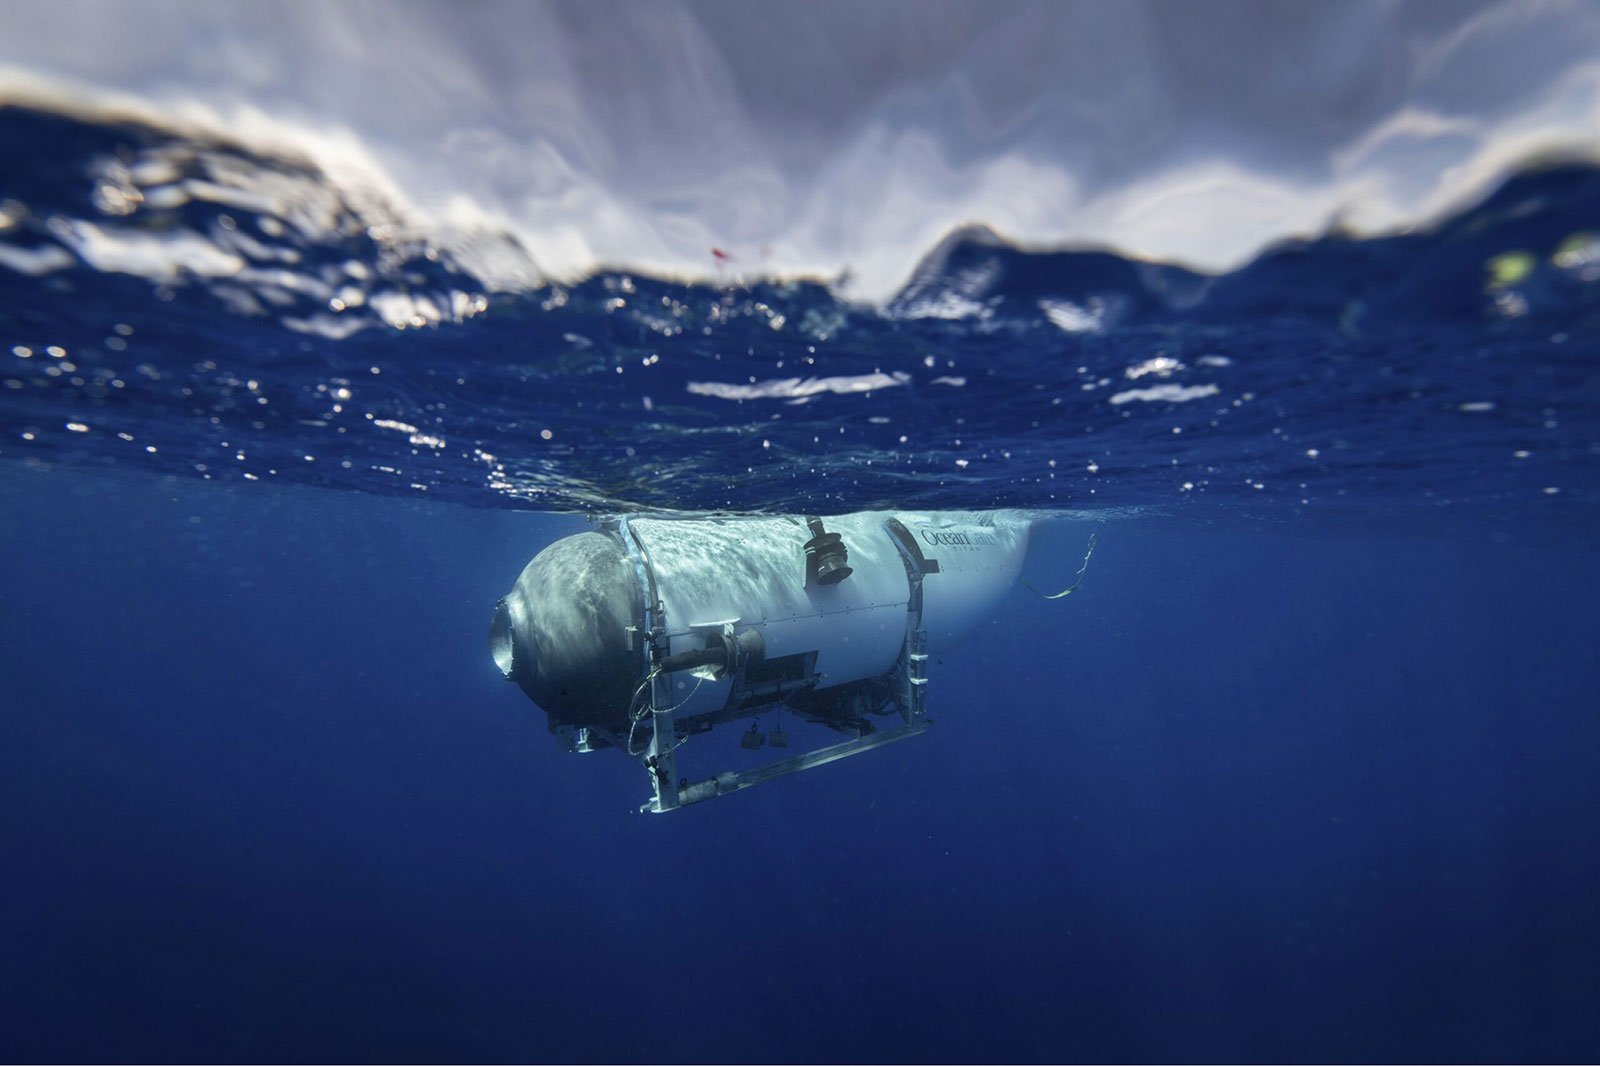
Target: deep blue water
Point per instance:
(1306, 770)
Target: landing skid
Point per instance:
(730, 781)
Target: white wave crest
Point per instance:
(839, 143)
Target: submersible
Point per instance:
(649, 630)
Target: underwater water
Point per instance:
(1306, 769)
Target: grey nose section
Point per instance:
(562, 632)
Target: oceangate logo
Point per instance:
(949, 538)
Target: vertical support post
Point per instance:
(660, 758)
(914, 700)
(914, 673)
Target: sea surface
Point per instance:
(1308, 768)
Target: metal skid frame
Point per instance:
(669, 792)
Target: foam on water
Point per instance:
(362, 249)
(824, 141)
(192, 306)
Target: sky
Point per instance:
(841, 140)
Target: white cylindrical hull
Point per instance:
(751, 572)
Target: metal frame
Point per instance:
(910, 677)
(658, 758)
(730, 781)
